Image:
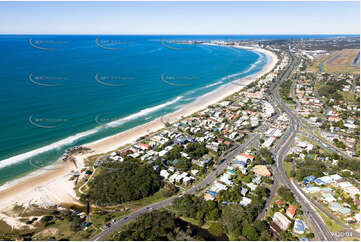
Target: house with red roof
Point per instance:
(144, 146)
(291, 210)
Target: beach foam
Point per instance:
(60, 181)
(143, 112)
(19, 158)
(55, 145)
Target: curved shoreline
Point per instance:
(55, 184)
(115, 141)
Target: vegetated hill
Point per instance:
(122, 183)
(162, 225)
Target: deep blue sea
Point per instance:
(61, 90)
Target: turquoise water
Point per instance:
(58, 91)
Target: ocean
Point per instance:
(59, 91)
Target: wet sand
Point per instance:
(53, 186)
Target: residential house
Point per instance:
(244, 191)
(164, 174)
(261, 170)
(281, 220)
(245, 201)
(252, 186)
(327, 197)
(209, 197)
(291, 210)
(245, 157)
(298, 227)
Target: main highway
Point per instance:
(311, 215)
(281, 150)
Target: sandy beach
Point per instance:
(54, 187)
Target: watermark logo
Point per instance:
(111, 81)
(112, 44)
(42, 206)
(167, 44)
(104, 122)
(237, 207)
(178, 81)
(46, 122)
(303, 167)
(109, 164)
(42, 80)
(342, 234)
(46, 44)
(235, 81)
(38, 164)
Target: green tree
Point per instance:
(250, 232)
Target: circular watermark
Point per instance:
(238, 81)
(46, 44)
(43, 206)
(103, 207)
(42, 80)
(298, 166)
(242, 208)
(112, 44)
(39, 164)
(108, 80)
(168, 44)
(106, 122)
(105, 163)
(46, 122)
(177, 80)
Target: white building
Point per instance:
(164, 174)
(245, 201)
(281, 220)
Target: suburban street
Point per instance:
(281, 149)
(198, 186)
(312, 216)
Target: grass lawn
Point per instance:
(340, 64)
(61, 229)
(288, 168)
(348, 96)
(156, 197)
(331, 225)
(351, 239)
(275, 198)
(303, 138)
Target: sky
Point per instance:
(180, 18)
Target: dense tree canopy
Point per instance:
(286, 194)
(129, 181)
(162, 225)
(308, 167)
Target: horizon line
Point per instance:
(164, 34)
